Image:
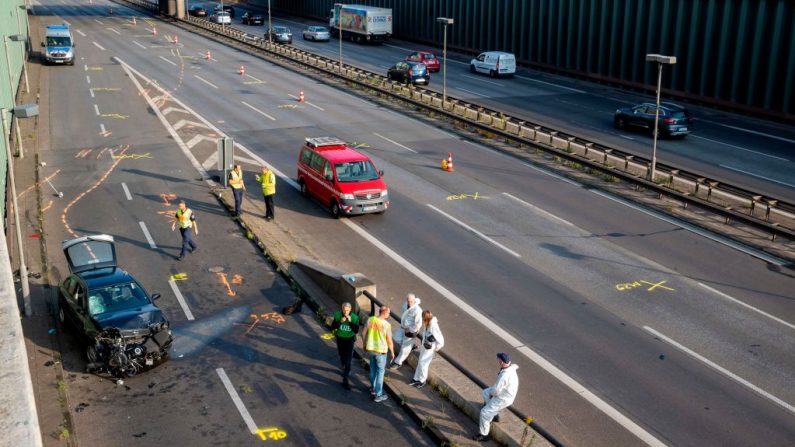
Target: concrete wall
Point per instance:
(13, 20)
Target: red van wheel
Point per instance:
(302, 185)
(335, 209)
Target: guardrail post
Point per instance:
(770, 203)
(607, 152)
(754, 199)
(709, 191)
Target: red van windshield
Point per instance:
(355, 171)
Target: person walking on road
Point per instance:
(432, 341)
(345, 327)
(410, 325)
(268, 180)
(498, 396)
(238, 187)
(186, 220)
(377, 341)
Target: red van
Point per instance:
(341, 178)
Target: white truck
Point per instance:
(361, 23)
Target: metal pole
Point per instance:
(339, 28)
(27, 34)
(444, 69)
(270, 24)
(12, 91)
(656, 124)
(23, 270)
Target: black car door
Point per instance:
(68, 303)
(84, 322)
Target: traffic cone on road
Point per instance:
(176, 39)
(208, 56)
(242, 70)
(447, 165)
(301, 96)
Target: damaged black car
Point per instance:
(110, 312)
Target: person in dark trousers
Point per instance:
(186, 220)
(268, 181)
(345, 328)
(238, 187)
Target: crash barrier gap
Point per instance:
(19, 422)
(773, 216)
(317, 279)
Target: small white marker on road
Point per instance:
(147, 235)
(88, 79)
(102, 128)
(91, 90)
(127, 192)
(135, 42)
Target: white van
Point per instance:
(494, 63)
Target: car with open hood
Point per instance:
(111, 313)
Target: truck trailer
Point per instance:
(361, 23)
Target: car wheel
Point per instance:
(389, 76)
(620, 123)
(472, 68)
(91, 354)
(492, 73)
(335, 209)
(304, 191)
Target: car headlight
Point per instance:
(384, 193)
(346, 196)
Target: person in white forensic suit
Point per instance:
(431, 341)
(498, 396)
(410, 325)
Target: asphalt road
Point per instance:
(751, 153)
(603, 292)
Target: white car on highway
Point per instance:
(221, 18)
(315, 33)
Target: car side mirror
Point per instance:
(381, 173)
(155, 296)
(329, 177)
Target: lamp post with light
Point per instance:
(444, 21)
(660, 60)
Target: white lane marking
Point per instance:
(211, 161)
(80, 32)
(626, 137)
(755, 132)
(170, 109)
(205, 81)
(169, 61)
(91, 90)
(98, 45)
(96, 109)
(252, 427)
(127, 192)
(759, 176)
(88, 79)
(307, 102)
(85, 67)
(470, 91)
(748, 306)
(738, 147)
(198, 139)
(476, 232)
(482, 319)
(551, 84)
(180, 299)
(531, 206)
(147, 235)
(102, 128)
(258, 110)
(98, 21)
(488, 323)
(114, 30)
(252, 77)
(395, 142)
(136, 42)
(721, 369)
(245, 160)
(484, 80)
(552, 174)
(694, 229)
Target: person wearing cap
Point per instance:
(498, 396)
(345, 327)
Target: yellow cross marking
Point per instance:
(287, 106)
(655, 285)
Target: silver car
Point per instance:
(316, 33)
(280, 34)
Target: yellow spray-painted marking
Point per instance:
(106, 89)
(117, 116)
(236, 279)
(475, 196)
(642, 283)
(358, 145)
(133, 156)
(168, 215)
(94, 68)
(287, 106)
(271, 433)
(327, 336)
(178, 277)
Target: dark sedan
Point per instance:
(252, 19)
(198, 11)
(109, 310)
(280, 34)
(409, 72)
(674, 119)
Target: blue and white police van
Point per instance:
(59, 45)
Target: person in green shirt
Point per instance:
(345, 328)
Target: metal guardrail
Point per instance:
(375, 302)
(777, 216)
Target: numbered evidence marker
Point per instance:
(271, 433)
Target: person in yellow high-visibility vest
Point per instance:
(268, 180)
(238, 187)
(186, 221)
(377, 341)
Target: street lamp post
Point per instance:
(337, 11)
(270, 25)
(444, 21)
(12, 90)
(660, 60)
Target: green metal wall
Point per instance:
(12, 21)
(739, 53)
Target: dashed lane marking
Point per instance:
(147, 235)
(96, 109)
(748, 306)
(126, 191)
(98, 46)
(88, 79)
(113, 30)
(531, 206)
(738, 147)
(471, 92)
(80, 32)
(551, 84)
(181, 300)
(307, 103)
(476, 232)
(205, 81)
(394, 142)
(241, 408)
(258, 110)
(198, 139)
(169, 61)
(484, 80)
(136, 42)
(757, 176)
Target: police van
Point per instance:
(59, 45)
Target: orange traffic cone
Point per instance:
(208, 56)
(447, 165)
(176, 39)
(242, 70)
(301, 96)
